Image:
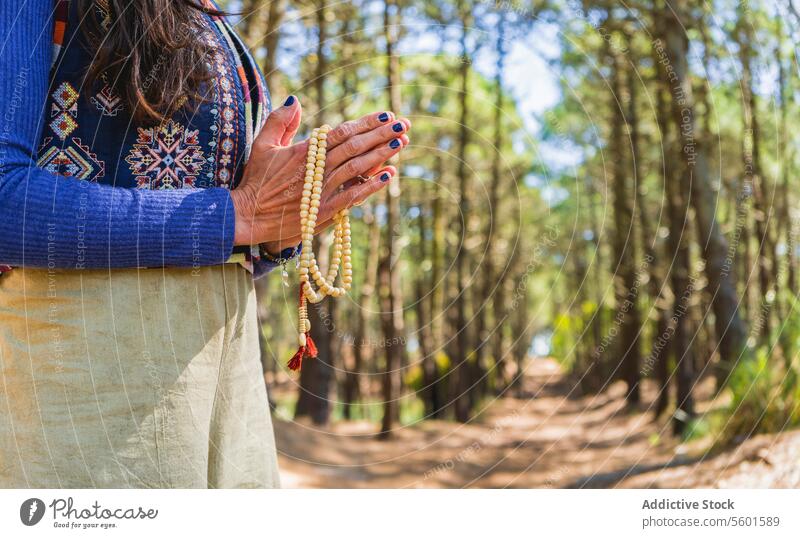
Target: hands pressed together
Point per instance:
(267, 200)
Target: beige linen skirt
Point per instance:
(141, 378)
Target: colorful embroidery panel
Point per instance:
(64, 110)
(74, 160)
(225, 111)
(166, 157)
(107, 101)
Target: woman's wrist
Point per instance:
(277, 254)
(276, 248)
(243, 217)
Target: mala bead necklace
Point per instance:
(309, 269)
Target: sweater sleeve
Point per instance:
(50, 221)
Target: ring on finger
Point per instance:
(363, 179)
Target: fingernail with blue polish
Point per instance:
(384, 117)
(289, 101)
(385, 177)
(397, 127)
(394, 144)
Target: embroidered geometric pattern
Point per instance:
(75, 160)
(226, 124)
(166, 157)
(107, 101)
(64, 110)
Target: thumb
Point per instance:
(281, 123)
(294, 124)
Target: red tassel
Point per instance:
(311, 347)
(297, 360)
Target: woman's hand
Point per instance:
(267, 200)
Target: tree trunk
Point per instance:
(317, 375)
(272, 35)
(656, 361)
(389, 273)
(678, 213)
(463, 372)
(437, 309)
(430, 393)
(260, 27)
(361, 346)
(672, 52)
(665, 340)
(624, 262)
(785, 156)
(753, 173)
(681, 149)
(491, 283)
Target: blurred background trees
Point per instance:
(608, 184)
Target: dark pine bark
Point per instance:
(626, 288)
(430, 393)
(437, 294)
(316, 376)
(390, 290)
(656, 360)
(463, 371)
(753, 175)
(362, 350)
(672, 50)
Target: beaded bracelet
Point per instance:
(283, 256)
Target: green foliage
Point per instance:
(765, 397)
(789, 337)
(413, 378)
(566, 330)
(698, 428)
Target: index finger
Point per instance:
(348, 129)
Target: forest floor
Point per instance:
(545, 438)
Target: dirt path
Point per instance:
(546, 439)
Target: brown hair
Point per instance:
(149, 51)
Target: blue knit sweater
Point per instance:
(51, 216)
